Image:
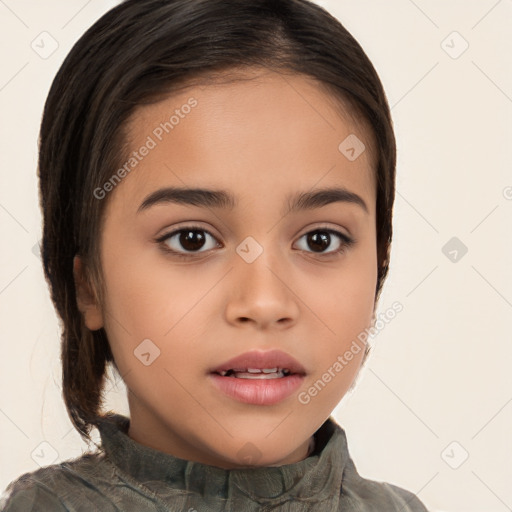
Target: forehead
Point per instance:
(261, 134)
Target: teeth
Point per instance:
(264, 370)
(259, 375)
(256, 373)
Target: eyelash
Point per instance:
(346, 242)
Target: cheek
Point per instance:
(347, 310)
(351, 303)
(138, 289)
(346, 305)
(352, 292)
(149, 299)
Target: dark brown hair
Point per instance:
(137, 53)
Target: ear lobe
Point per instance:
(86, 298)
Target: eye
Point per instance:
(322, 238)
(187, 241)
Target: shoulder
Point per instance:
(365, 495)
(379, 496)
(410, 500)
(57, 487)
(26, 494)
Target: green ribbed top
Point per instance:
(125, 475)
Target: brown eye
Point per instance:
(190, 240)
(319, 240)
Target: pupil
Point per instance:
(191, 240)
(320, 239)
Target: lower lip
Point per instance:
(258, 391)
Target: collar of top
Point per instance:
(310, 480)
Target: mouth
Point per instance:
(258, 364)
(255, 373)
(259, 378)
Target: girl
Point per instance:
(217, 184)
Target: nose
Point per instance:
(261, 293)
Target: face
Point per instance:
(194, 280)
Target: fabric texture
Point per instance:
(124, 475)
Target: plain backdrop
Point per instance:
(432, 410)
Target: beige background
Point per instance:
(438, 386)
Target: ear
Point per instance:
(86, 298)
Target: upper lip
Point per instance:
(262, 359)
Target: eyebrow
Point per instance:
(208, 198)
